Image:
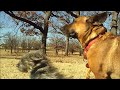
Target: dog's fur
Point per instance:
(39, 66)
(104, 54)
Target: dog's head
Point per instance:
(81, 26)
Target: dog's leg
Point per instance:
(88, 73)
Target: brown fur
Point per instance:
(104, 55)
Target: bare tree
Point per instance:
(44, 35)
(11, 42)
(57, 43)
(74, 46)
(23, 44)
(36, 44)
(31, 18)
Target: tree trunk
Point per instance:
(22, 50)
(43, 45)
(44, 34)
(56, 51)
(114, 22)
(67, 46)
(5, 48)
(80, 51)
(11, 49)
(15, 50)
(56, 48)
(28, 49)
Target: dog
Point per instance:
(39, 66)
(101, 48)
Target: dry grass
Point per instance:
(8, 70)
(71, 67)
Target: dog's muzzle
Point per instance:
(73, 34)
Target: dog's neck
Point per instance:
(95, 34)
(91, 34)
(88, 46)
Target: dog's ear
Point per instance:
(98, 19)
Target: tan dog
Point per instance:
(101, 48)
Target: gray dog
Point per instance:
(38, 66)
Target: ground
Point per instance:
(71, 66)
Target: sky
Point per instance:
(10, 26)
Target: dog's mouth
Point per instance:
(73, 34)
(69, 32)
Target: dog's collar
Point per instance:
(85, 40)
(89, 45)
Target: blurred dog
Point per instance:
(101, 48)
(38, 65)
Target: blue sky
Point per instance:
(10, 26)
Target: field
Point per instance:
(71, 66)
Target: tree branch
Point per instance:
(54, 15)
(72, 14)
(24, 20)
(59, 18)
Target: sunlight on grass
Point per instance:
(72, 67)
